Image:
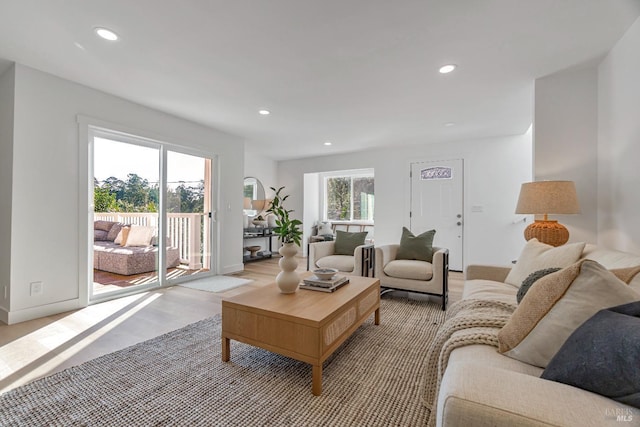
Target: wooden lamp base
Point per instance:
(550, 232)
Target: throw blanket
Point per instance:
(467, 322)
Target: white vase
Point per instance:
(245, 221)
(271, 220)
(288, 280)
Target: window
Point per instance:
(349, 196)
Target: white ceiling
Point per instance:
(359, 73)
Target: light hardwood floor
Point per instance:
(40, 347)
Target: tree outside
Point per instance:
(136, 194)
(341, 190)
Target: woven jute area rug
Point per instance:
(373, 379)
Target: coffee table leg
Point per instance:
(226, 353)
(377, 317)
(316, 388)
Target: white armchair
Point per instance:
(322, 255)
(413, 275)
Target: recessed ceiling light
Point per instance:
(447, 68)
(264, 112)
(327, 143)
(449, 124)
(106, 34)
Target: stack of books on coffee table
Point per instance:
(316, 284)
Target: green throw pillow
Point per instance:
(418, 247)
(346, 243)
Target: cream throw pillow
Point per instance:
(140, 235)
(121, 238)
(538, 256)
(557, 305)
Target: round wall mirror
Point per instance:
(254, 196)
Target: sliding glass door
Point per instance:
(188, 214)
(152, 214)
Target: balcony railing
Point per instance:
(187, 231)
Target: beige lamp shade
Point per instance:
(548, 197)
(543, 198)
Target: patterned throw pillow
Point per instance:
(99, 235)
(531, 279)
(418, 247)
(113, 232)
(103, 225)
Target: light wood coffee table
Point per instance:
(306, 325)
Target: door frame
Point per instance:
(409, 194)
(89, 127)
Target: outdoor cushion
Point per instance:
(123, 234)
(113, 232)
(139, 236)
(103, 225)
(409, 269)
(99, 235)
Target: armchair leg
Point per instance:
(445, 281)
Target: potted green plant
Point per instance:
(289, 233)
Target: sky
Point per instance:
(112, 158)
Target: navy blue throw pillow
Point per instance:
(602, 355)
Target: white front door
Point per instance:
(437, 203)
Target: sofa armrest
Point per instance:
(357, 259)
(474, 394)
(487, 272)
(319, 250)
(384, 255)
(439, 271)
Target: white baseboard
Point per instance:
(18, 316)
(234, 268)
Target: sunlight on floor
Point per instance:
(57, 342)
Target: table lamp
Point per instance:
(543, 198)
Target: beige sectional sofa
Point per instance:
(482, 387)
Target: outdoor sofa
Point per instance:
(141, 257)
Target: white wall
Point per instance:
(263, 168)
(494, 170)
(619, 144)
(46, 177)
(565, 142)
(311, 208)
(6, 156)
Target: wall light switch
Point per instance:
(37, 288)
